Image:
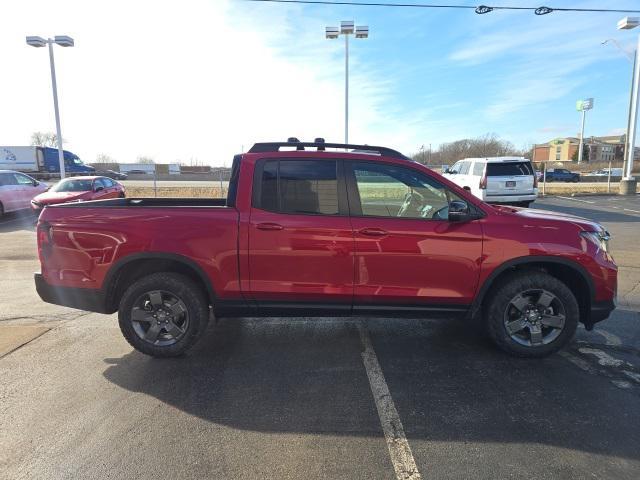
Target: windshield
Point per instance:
(72, 185)
(509, 169)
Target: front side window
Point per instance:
(23, 179)
(300, 187)
(464, 168)
(394, 191)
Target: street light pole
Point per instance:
(628, 183)
(346, 28)
(63, 41)
(580, 148)
(346, 89)
(633, 118)
(54, 87)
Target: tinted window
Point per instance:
(392, 191)
(108, 182)
(509, 169)
(478, 169)
(269, 189)
(300, 186)
(7, 179)
(308, 186)
(99, 182)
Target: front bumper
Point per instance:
(528, 197)
(599, 311)
(88, 299)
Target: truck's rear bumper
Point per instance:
(81, 298)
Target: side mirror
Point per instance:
(458, 211)
(36, 183)
(99, 188)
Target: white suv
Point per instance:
(509, 180)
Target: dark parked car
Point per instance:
(113, 175)
(562, 175)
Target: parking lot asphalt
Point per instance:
(292, 398)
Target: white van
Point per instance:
(509, 180)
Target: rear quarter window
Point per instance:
(509, 169)
(478, 168)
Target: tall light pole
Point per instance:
(63, 41)
(583, 106)
(628, 183)
(332, 33)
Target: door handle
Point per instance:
(373, 232)
(269, 226)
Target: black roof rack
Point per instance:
(320, 146)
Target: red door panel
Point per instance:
(300, 258)
(416, 261)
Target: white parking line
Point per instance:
(576, 199)
(399, 449)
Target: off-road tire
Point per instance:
(181, 287)
(510, 287)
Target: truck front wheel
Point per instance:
(532, 314)
(163, 314)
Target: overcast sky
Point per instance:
(204, 79)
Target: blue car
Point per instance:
(562, 175)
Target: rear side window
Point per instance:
(7, 179)
(509, 169)
(478, 169)
(300, 186)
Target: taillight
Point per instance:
(44, 239)
(483, 180)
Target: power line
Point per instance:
(480, 9)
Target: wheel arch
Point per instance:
(574, 275)
(135, 266)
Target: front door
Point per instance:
(408, 254)
(300, 237)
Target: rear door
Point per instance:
(510, 178)
(300, 237)
(8, 192)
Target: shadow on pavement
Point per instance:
(449, 385)
(15, 221)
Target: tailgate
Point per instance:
(520, 184)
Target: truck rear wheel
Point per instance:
(163, 314)
(532, 314)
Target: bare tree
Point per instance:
(104, 158)
(44, 139)
(489, 145)
(145, 159)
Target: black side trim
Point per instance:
(112, 275)
(92, 300)
(411, 311)
(533, 259)
(600, 311)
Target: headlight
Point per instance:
(599, 239)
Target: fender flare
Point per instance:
(521, 261)
(112, 275)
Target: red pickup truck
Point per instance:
(321, 229)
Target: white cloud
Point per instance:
(186, 80)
